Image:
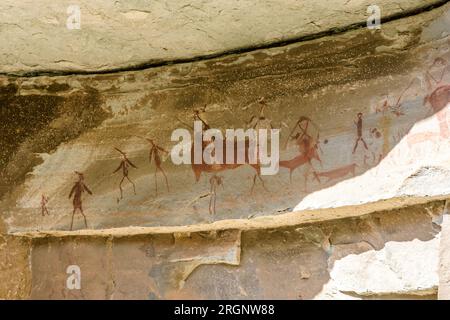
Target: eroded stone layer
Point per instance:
(104, 35)
(387, 254)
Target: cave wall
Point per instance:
(357, 209)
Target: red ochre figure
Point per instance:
(337, 173)
(294, 163)
(307, 145)
(44, 201)
(124, 165)
(359, 137)
(198, 168)
(197, 117)
(303, 125)
(77, 191)
(154, 154)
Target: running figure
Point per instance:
(124, 165)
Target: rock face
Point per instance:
(15, 268)
(353, 209)
(105, 35)
(387, 253)
(444, 272)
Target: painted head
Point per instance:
(80, 175)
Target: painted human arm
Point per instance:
(72, 191)
(87, 189)
(131, 164)
(118, 168)
(150, 155)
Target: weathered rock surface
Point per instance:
(345, 258)
(354, 212)
(111, 269)
(87, 117)
(121, 34)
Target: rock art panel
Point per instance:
(362, 119)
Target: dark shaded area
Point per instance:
(34, 124)
(22, 117)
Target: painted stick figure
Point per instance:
(197, 117)
(260, 121)
(214, 181)
(77, 191)
(124, 165)
(302, 125)
(44, 201)
(155, 155)
(359, 125)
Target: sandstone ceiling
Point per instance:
(122, 34)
